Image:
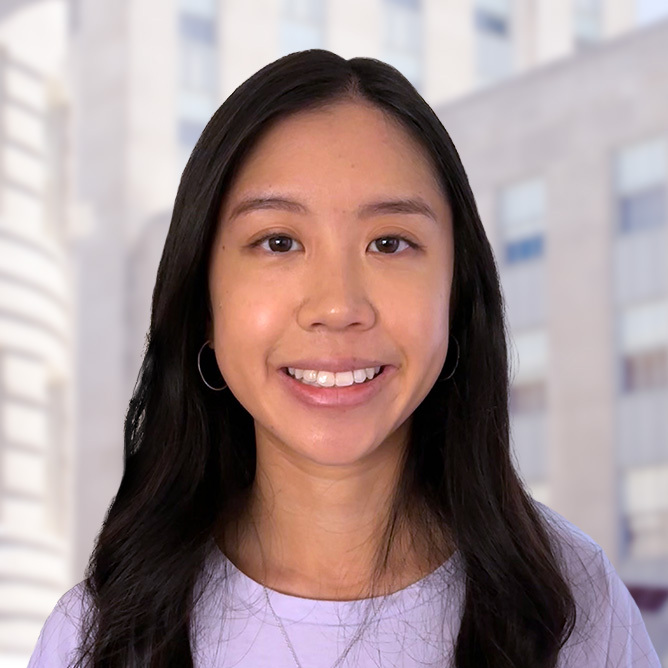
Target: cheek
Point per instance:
(420, 324)
(247, 314)
(417, 303)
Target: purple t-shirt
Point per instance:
(233, 625)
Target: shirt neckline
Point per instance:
(248, 594)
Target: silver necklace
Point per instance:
(289, 644)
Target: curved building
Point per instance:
(35, 362)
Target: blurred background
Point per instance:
(559, 109)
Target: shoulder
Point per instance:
(581, 557)
(60, 636)
(609, 629)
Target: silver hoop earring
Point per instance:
(456, 361)
(199, 367)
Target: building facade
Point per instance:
(36, 358)
(144, 78)
(569, 165)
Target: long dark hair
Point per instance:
(189, 453)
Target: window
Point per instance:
(532, 355)
(587, 18)
(488, 22)
(198, 53)
(402, 37)
(644, 351)
(640, 181)
(522, 220)
(302, 25)
(494, 58)
(524, 249)
(644, 209)
(645, 370)
(528, 403)
(196, 29)
(197, 95)
(645, 498)
(189, 132)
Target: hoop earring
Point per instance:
(456, 362)
(199, 367)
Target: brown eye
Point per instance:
(389, 244)
(278, 243)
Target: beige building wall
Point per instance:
(448, 48)
(618, 17)
(563, 124)
(351, 38)
(36, 338)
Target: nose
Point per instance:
(336, 294)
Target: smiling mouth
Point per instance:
(329, 387)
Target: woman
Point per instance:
(317, 465)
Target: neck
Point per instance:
(315, 531)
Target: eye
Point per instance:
(393, 243)
(279, 244)
(279, 247)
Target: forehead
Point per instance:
(344, 150)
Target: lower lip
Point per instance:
(352, 395)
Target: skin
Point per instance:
(324, 475)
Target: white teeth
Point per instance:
(359, 375)
(330, 378)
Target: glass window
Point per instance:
(302, 25)
(494, 58)
(204, 8)
(532, 356)
(198, 68)
(493, 23)
(189, 131)
(645, 498)
(640, 166)
(642, 210)
(198, 53)
(402, 26)
(196, 29)
(587, 18)
(497, 7)
(645, 370)
(522, 214)
(643, 346)
(402, 38)
(640, 181)
(524, 249)
(644, 326)
(198, 72)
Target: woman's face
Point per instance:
(334, 189)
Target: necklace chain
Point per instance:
(291, 647)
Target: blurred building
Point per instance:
(36, 357)
(570, 169)
(145, 78)
(146, 82)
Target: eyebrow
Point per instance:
(403, 205)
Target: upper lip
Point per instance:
(331, 364)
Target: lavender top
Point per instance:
(233, 626)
